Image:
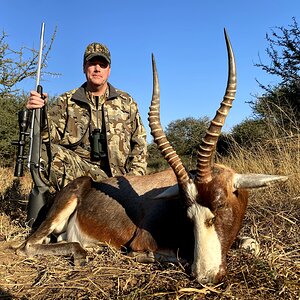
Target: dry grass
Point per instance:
(272, 218)
(14, 194)
(279, 156)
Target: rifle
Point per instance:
(37, 196)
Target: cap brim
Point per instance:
(92, 55)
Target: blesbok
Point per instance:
(195, 216)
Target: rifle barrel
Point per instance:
(39, 66)
(36, 111)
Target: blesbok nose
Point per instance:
(210, 277)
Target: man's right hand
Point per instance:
(36, 101)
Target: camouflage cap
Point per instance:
(96, 49)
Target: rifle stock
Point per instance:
(37, 196)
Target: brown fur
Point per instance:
(228, 206)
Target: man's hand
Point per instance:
(36, 101)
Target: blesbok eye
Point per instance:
(236, 192)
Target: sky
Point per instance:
(186, 38)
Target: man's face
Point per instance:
(97, 71)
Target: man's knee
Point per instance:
(61, 167)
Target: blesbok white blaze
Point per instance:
(196, 215)
(207, 248)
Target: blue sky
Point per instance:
(186, 38)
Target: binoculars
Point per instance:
(98, 149)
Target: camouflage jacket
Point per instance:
(72, 118)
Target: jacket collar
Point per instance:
(80, 94)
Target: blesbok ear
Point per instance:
(172, 191)
(253, 181)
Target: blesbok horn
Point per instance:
(158, 134)
(209, 142)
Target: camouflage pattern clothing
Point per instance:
(72, 119)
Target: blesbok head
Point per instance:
(198, 220)
(216, 196)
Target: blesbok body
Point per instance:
(195, 216)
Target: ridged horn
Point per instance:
(158, 134)
(209, 142)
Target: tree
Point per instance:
(249, 132)
(280, 109)
(156, 162)
(284, 52)
(185, 134)
(280, 104)
(17, 65)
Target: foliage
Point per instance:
(284, 52)
(249, 132)
(156, 162)
(280, 105)
(9, 128)
(185, 134)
